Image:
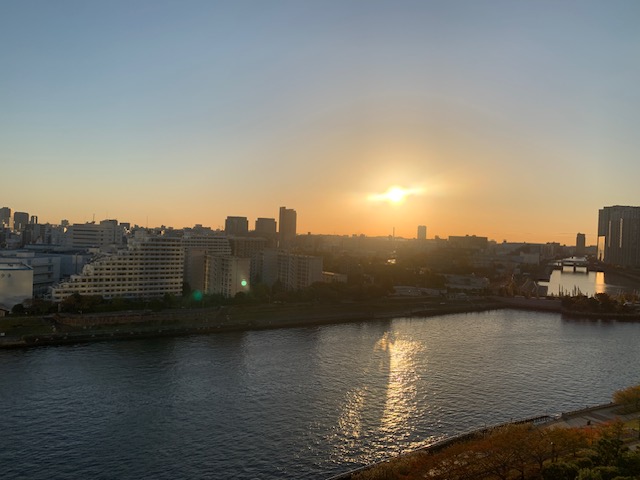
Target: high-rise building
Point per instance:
(422, 232)
(581, 244)
(6, 219)
(236, 226)
(619, 227)
(287, 223)
(20, 221)
(266, 227)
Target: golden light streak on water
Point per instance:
(401, 402)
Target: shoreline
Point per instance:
(82, 328)
(593, 414)
(64, 329)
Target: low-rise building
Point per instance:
(16, 283)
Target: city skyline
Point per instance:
(513, 121)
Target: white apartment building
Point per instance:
(227, 275)
(150, 267)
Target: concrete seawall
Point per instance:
(603, 412)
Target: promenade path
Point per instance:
(602, 414)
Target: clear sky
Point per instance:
(515, 120)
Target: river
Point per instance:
(296, 403)
(568, 282)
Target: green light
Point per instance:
(243, 283)
(197, 295)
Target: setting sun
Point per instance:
(394, 195)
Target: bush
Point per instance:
(560, 471)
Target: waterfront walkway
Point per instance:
(586, 417)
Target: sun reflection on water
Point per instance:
(383, 405)
(401, 397)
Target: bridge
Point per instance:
(575, 262)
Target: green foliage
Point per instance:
(607, 472)
(583, 462)
(629, 463)
(628, 398)
(18, 309)
(609, 446)
(588, 474)
(599, 303)
(560, 471)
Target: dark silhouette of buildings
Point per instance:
(620, 227)
(287, 232)
(236, 226)
(581, 245)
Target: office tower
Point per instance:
(266, 227)
(287, 233)
(20, 221)
(422, 232)
(620, 227)
(5, 218)
(580, 245)
(236, 226)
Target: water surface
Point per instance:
(296, 403)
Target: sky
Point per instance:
(508, 119)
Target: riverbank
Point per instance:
(20, 332)
(588, 417)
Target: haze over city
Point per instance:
(511, 120)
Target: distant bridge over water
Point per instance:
(574, 262)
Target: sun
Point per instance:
(394, 195)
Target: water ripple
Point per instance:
(295, 403)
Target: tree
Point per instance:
(560, 471)
(18, 309)
(628, 398)
(610, 445)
